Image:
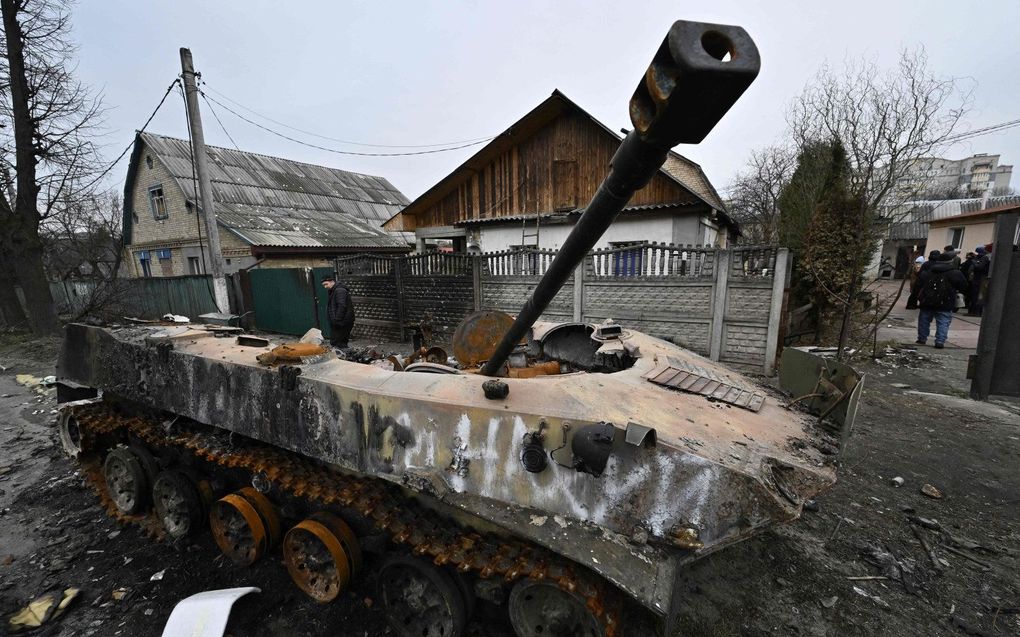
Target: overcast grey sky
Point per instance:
(433, 72)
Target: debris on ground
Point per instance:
(41, 610)
(900, 569)
(931, 491)
(908, 357)
(39, 385)
(204, 614)
(875, 598)
(967, 627)
(313, 336)
(897, 481)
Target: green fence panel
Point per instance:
(283, 300)
(190, 296)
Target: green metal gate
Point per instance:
(284, 299)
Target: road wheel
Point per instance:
(322, 556)
(543, 609)
(420, 599)
(126, 480)
(71, 435)
(178, 504)
(245, 525)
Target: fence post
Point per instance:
(310, 279)
(722, 275)
(398, 281)
(579, 291)
(476, 280)
(781, 276)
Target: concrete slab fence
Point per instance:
(724, 304)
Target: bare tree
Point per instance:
(886, 121)
(84, 247)
(49, 123)
(756, 192)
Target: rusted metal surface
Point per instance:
(245, 525)
(322, 555)
(477, 335)
(723, 472)
(548, 368)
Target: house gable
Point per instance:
(553, 159)
(178, 223)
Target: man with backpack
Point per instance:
(937, 288)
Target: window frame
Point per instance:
(957, 242)
(162, 201)
(145, 262)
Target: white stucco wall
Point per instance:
(661, 228)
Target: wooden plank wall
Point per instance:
(559, 167)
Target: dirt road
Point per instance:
(789, 581)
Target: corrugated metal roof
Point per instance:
(909, 220)
(693, 178)
(269, 201)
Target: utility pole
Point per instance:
(204, 182)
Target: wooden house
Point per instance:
(530, 184)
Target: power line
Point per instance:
(129, 146)
(995, 128)
(222, 127)
(341, 141)
(333, 150)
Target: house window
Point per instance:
(146, 264)
(148, 161)
(157, 203)
(956, 237)
(195, 265)
(163, 254)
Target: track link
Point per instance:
(423, 531)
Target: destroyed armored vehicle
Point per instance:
(566, 473)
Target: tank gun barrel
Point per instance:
(697, 74)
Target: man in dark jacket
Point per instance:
(977, 275)
(936, 297)
(339, 311)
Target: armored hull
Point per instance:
(641, 470)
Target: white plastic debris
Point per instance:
(157, 576)
(204, 614)
(313, 336)
(176, 318)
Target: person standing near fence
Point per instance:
(339, 311)
(937, 288)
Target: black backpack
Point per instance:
(937, 292)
